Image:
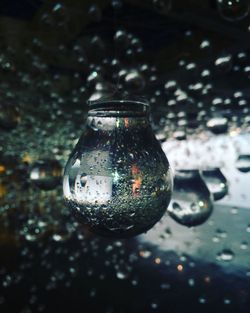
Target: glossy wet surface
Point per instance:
(190, 60)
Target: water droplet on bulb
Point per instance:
(83, 180)
(135, 192)
(218, 125)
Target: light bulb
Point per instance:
(191, 203)
(118, 179)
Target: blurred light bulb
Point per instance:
(117, 178)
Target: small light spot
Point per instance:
(157, 260)
(2, 169)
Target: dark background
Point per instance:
(54, 57)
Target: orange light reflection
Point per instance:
(137, 180)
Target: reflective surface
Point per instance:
(46, 174)
(191, 61)
(118, 179)
(233, 10)
(216, 182)
(191, 203)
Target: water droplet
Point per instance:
(225, 255)
(244, 245)
(216, 182)
(191, 282)
(191, 204)
(233, 10)
(154, 305)
(83, 180)
(218, 125)
(243, 163)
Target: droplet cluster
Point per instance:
(190, 61)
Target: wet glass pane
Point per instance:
(124, 156)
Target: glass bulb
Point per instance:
(191, 203)
(117, 179)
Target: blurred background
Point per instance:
(191, 61)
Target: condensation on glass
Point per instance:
(118, 179)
